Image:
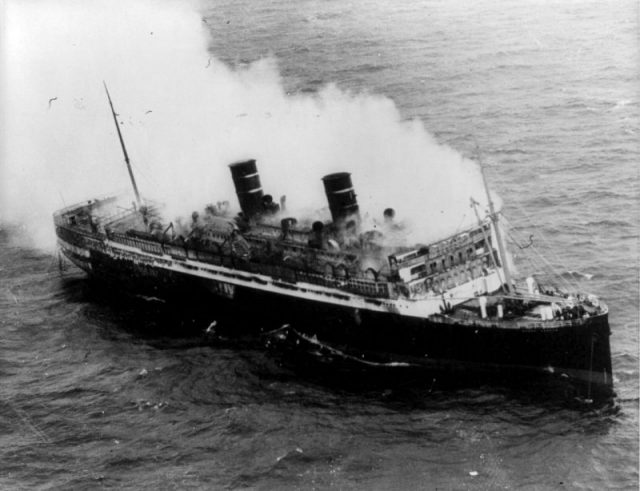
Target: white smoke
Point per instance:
(185, 116)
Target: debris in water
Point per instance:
(473, 473)
(143, 372)
(432, 383)
(150, 298)
(297, 450)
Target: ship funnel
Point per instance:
(248, 188)
(341, 197)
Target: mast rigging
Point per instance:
(496, 228)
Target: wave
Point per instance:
(609, 223)
(623, 103)
(577, 275)
(370, 67)
(512, 66)
(512, 151)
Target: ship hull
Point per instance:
(575, 356)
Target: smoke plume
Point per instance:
(185, 116)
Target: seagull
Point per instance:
(51, 100)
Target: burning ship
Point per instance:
(450, 307)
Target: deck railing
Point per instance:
(358, 284)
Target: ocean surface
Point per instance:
(119, 393)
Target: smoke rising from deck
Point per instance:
(185, 116)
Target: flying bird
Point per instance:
(51, 100)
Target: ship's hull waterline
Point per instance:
(573, 354)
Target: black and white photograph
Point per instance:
(351, 245)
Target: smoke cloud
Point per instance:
(185, 116)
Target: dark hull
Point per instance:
(576, 357)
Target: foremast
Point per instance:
(124, 149)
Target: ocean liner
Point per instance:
(450, 307)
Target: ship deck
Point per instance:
(469, 314)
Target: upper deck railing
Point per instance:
(349, 283)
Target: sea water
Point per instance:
(110, 393)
